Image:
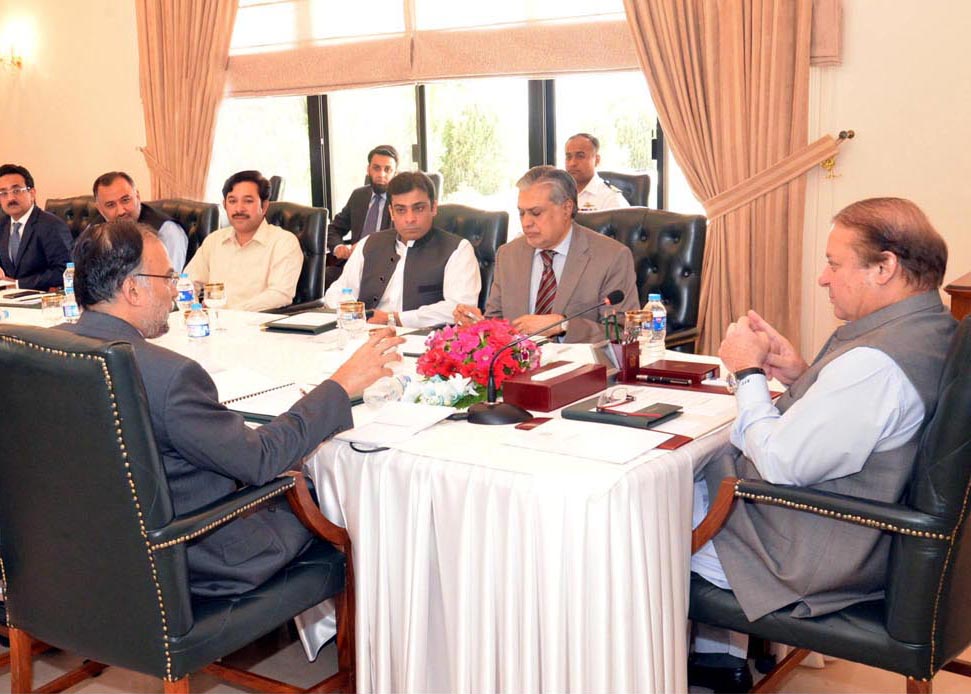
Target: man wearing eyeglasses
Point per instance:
(33, 243)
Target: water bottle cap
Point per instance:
(196, 306)
(653, 297)
(184, 276)
(70, 266)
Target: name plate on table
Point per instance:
(555, 385)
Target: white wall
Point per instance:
(74, 110)
(904, 88)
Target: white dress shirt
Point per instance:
(176, 242)
(260, 275)
(461, 284)
(597, 195)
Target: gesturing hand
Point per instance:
(368, 363)
(782, 361)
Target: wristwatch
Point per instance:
(733, 380)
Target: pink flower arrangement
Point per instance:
(468, 350)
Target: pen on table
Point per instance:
(664, 380)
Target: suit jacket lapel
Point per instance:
(576, 263)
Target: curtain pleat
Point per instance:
(730, 81)
(183, 49)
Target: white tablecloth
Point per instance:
(482, 568)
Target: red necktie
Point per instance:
(547, 284)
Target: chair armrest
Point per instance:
(308, 512)
(297, 308)
(209, 517)
(893, 518)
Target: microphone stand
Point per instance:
(491, 412)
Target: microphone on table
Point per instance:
(491, 412)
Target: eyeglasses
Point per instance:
(614, 397)
(172, 278)
(13, 191)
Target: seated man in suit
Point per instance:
(366, 211)
(259, 263)
(34, 245)
(582, 159)
(557, 267)
(126, 285)
(116, 197)
(413, 274)
(849, 423)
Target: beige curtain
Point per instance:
(730, 81)
(183, 48)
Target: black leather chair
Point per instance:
(93, 555)
(924, 621)
(668, 250)
(77, 212)
(310, 226)
(277, 185)
(636, 188)
(485, 230)
(199, 219)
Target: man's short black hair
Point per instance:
(106, 179)
(104, 256)
(407, 181)
(587, 136)
(383, 150)
(253, 177)
(8, 169)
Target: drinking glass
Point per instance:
(215, 300)
(50, 308)
(351, 317)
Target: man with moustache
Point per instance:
(126, 285)
(259, 263)
(366, 211)
(34, 245)
(412, 274)
(582, 159)
(116, 197)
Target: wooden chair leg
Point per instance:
(781, 672)
(177, 687)
(919, 686)
(21, 663)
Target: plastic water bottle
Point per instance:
(347, 294)
(187, 293)
(658, 330)
(386, 389)
(69, 304)
(4, 315)
(69, 276)
(197, 324)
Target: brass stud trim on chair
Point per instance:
(215, 524)
(846, 517)
(131, 482)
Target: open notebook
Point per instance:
(255, 396)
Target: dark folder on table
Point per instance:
(310, 322)
(644, 418)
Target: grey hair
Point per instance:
(562, 186)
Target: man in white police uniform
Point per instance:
(593, 193)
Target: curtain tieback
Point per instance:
(767, 180)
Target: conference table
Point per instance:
(481, 567)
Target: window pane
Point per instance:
(263, 25)
(479, 140)
(268, 134)
(616, 108)
(448, 14)
(360, 120)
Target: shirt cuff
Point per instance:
(753, 390)
(409, 319)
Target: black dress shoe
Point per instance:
(727, 680)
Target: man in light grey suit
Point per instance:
(849, 423)
(125, 282)
(557, 267)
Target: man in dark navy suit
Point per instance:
(34, 246)
(366, 211)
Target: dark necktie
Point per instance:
(547, 284)
(371, 221)
(14, 241)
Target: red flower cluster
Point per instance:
(468, 351)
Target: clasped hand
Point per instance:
(753, 342)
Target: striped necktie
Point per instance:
(14, 241)
(547, 284)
